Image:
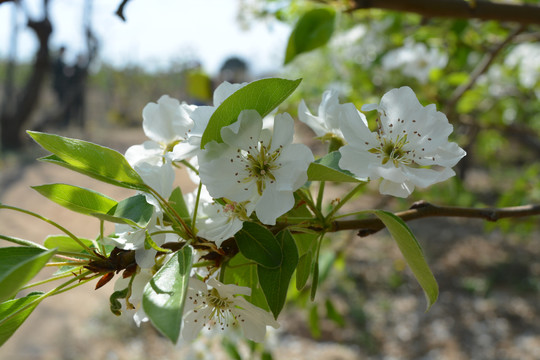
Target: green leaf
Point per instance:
(314, 322)
(262, 95)
(134, 211)
(275, 282)
(18, 265)
(412, 252)
(303, 269)
(257, 243)
(327, 169)
(230, 349)
(78, 199)
(9, 322)
(312, 30)
(65, 243)
(333, 314)
(165, 294)
(314, 281)
(22, 242)
(90, 159)
(176, 200)
(243, 272)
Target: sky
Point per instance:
(156, 34)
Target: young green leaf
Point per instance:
(9, 322)
(275, 282)
(176, 200)
(313, 30)
(262, 95)
(22, 242)
(257, 243)
(164, 296)
(134, 211)
(314, 321)
(90, 159)
(333, 314)
(412, 252)
(78, 199)
(65, 243)
(327, 169)
(18, 265)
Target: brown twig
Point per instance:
(422, 209)
(481, 68)
(479, 9)
(120, 10)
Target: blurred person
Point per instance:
(233, 70)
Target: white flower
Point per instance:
(129, 237)
(526, 57)
(410, 147)
(155, 169)
(223, 306)
(254, 165)
(216, 222)
(168, 124)
(327, 121)
(415, 60)
(136, 294)
(202, 114)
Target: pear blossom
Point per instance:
(201, 115)
(410, 147)
(326, 123)
(217, 222)
(254, 165)
(128, 237)
(221, 305)
(134, 300)
(415, 60)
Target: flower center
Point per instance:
(260, 165)
(392, 150)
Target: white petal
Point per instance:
(273, 204)
(294, 160)
(224, 90)
(245, 132)
(358, 161)
(167, 120)
(283, 131)
(396, 189)
(426, 177)
(194, 322)
(228, 290)
(149, 151)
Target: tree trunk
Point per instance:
(14, 118)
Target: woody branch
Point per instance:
(479, 9)
(422, 209)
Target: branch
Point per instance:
(422, 209)
(120, 10)
(479, 9)
(481, 68)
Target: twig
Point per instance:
(120, 11)
(481, 68)
(479, 9)
(422, 209)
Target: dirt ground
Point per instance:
(488, 307)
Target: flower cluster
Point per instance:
(253, 175)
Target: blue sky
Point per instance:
(156, 33)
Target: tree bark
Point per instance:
(13, 120)
(479, 9)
